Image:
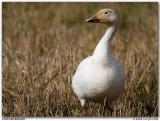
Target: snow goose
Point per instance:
(100, 76)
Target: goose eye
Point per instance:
(106, 12)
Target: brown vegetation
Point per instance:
(43, 44)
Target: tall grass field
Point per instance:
(43, 43)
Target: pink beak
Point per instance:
(93, 19)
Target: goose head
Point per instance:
(105, 16)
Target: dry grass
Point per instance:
(43, 44)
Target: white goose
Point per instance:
(100, 76)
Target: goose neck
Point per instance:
(103, 49)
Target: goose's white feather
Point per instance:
(99, 76)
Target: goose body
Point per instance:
(100, 76)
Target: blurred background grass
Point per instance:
(43, 43)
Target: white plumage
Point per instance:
(100, 75)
